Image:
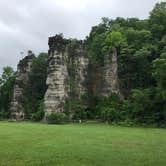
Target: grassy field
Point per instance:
(33, 144)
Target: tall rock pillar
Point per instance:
(82, 62)
(23, 69)
(56, 93)
(110, 74)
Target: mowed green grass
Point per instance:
(37, 144)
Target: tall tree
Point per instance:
(36, 87)
(7, 80)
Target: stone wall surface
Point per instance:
(23, 68)
(56, 93)
(80, 65)
(68, 74)
(67, 65)
(110, 74)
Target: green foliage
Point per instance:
(138, 38)
(39, 115)
(56, 118)
(157, 20)
(149, 106)
(109, 115)
(159, 73)
(142, 105)
(95, 48)
(6, 89)
(76, 109)
(141, 50)
(36, 87)
(6, 75)
(113, 39)
(4, 115)
(109, 108)
(79, 112)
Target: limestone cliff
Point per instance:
(110, 74)
(67, 63)
(70, 75)
(23, 68)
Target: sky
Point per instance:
(27, 24)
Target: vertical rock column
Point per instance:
(56, 94)
(110, 75)
(82, 67)
(23, 69)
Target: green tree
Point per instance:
(113, 40)
(6, 88)
(159, 73)
(35, 89)
(157, 20)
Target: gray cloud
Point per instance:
(28, 24)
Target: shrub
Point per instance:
(37, 116)
(79, 112)
(4, 115)
(110, 115)
(77, 109)
(56, 118)
(109, 108)
(126, 110)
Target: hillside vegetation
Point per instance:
(141, 49)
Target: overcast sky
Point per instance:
(27, 24)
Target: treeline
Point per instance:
(33, 92)
(141, 49)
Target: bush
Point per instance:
(110, 115)
(56, 118)
(109, 109)
(80, 112)
(77, 109)
(38, 116)
(127, 111)
(4, 115)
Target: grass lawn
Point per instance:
(33, 144)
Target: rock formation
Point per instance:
(70, 76)
(23, 68)
(68, 72)
(56, 93)
(110, 74)
(67, 64)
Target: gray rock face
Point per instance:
(77, 68)
(23, 68)
(68, 67)
(66, 64)
(110, 74)
(82, 72)
(57, 73)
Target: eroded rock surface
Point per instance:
(23, 68)
(68, 72)
(57, 73)
(110, 74)
(67, 66)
